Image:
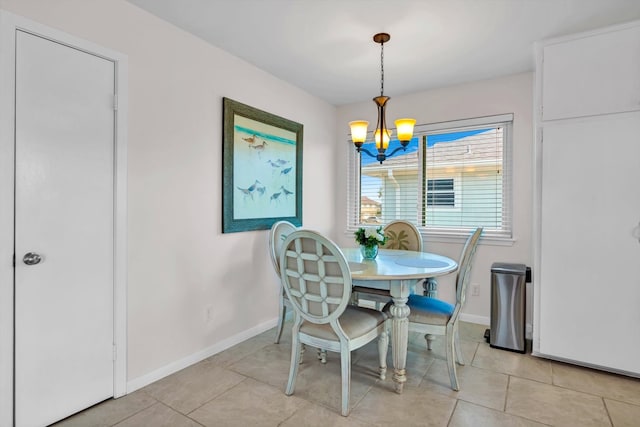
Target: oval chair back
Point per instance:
(279, 231)
(465, 264)
(315, 276)
(402, 235)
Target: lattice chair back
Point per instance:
(465, 264)
(402, 235)
(315, 276)
(279, 231)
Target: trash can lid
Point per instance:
(505, 267)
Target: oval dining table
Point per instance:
(397, 271)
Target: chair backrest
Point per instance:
(402, 235)
(315, 276)
(465, 264)
(279, 231)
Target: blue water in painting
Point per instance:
(264, 135)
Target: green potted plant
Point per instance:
(369, 238)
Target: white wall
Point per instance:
(180, 263)
(512, 94)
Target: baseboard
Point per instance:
(472, 318)
(173, 367)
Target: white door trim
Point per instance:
(9, 24)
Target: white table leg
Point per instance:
(400, 331)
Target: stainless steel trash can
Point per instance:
(508, 306)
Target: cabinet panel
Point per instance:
(592, 75)
(590, 260)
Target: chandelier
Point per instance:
(382, 134)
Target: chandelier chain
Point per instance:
(381, 69)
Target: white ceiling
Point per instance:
(325, 46)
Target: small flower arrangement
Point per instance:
(370, 236)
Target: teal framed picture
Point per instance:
(262, 169)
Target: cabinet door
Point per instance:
(590, 260)
(592, 75)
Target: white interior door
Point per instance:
(590, 259)
(64, 212)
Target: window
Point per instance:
(452, 177)
(440, 192)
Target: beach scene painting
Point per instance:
(262, 176)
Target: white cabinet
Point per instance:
(587, 266)
(596, 74)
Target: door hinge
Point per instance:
(115, 102)
(115, 353)
(14, 260)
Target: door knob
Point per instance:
(31, 258)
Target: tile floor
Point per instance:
(244, 386)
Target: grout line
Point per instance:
(455, 406)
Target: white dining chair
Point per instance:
(432, 316)
(279, 231)
(317, 280)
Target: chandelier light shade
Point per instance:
(382, 134)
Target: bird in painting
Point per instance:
(253, 186)
(273, 164)
(285, 171)
(281, 162)
(246, 192)
(275, 196)
(251, 139)
(285, 191)
(259, 148)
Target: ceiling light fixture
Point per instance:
(382, 135)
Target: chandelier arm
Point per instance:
(396, 150)
(367, 152)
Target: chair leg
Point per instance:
(459, 356)
(429, 338)
(282, 312)
(296, 359)
(451, 363)
(383, 347)
(345, 368)
(322, 356)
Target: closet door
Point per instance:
(593, 74)
(64, 216)
(590, 260)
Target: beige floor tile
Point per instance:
(554, 405)
(110, 412)
(242, 350)
(472, 331)
(623, 414)
(321, 384)
(470, 415)
(158, 415)
(313, 415)
(507, 362)
(191, 387)
(613, 386)
(414, 407)
(250, 403)
(479, 386)
(270, 364)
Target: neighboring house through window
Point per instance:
(453, 177)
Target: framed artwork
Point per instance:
(262, 169)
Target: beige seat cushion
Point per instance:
(355, 321)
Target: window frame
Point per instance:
(445, 234)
